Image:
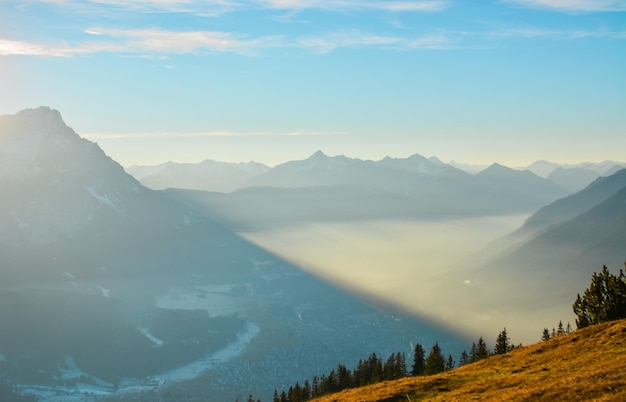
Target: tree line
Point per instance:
(604, 300)
(374, 369)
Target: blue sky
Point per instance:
(479, 81)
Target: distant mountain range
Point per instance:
(325, 188)
(108, 288)
(207, 175)
(323, 170)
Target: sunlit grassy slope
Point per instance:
(589, 364)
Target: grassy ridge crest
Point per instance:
(589, 364)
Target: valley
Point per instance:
(113, 291)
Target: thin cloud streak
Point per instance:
(204, 8)
(156, 41)
(343, 5)
(574, 5)
(139, 42)
(557, 34)
(208, 134)
(218, 7)
(330, 42)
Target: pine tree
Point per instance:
(418, 360)
(389, 367)
(315, 387)
(604, 299)
(568, 329)
(306, 391)
(502, 343)
(560, 331)
(435, 362)
(546, 335)
(450, 363)
(464, 359)
(481, 349)
(474, 353)
(401, 370)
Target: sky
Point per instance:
(482, 81)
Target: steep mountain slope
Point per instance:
(207, 175)
(569, 207)
(585, 365)
(532, 274)
(571, 247)
(108, 288)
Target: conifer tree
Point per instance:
(435, 362)
(315, 388)
(464, 359)
(450, 363)
(502, 343)
(560, 330)
(306, 390)
(481, 349)
(401, 370)
(474, 353)
(418, 360)
(389, 367)
(546, 335)
(604, 299)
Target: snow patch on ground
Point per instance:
(146, 332)
(194, 369)
(105, 291)
(98, 388)
(215, 299)
(69, 275)
(103, 199)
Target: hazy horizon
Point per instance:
(510, 81)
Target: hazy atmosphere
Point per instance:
(509, 81)
(206, 200)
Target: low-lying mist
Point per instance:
(424, 267)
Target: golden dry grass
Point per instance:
(587, 365)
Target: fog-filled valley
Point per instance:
(215, 280)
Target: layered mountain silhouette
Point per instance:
(208, 175)
(325, 188)
(109, 288)
(537, 270)
(573, 179)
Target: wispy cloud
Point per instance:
(165, 42)
(208, 134)
(140, 41)
(189, 42)
(10, 47)
(353, 38)
(342, 5)
(574, 5)
(196, 7)
(161, 44)
(533, 32)
(217, 7)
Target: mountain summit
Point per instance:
(68, 181)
